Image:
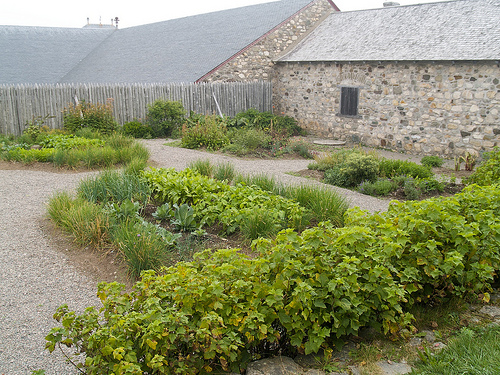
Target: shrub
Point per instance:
(165, 117)
(432, 161)
(488, 173)
(336, 176)
(266, 121)
(136, 129)
(98, 117)
(35, 129)
(389, 168)
(302, 149)
(300, 294)
(381, 187)
(209, 133)
(356, 169)
(247, 140)
(410, 189)
(325, 161)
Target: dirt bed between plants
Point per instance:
(42, 268)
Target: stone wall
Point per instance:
(441, 108)
(256, 62)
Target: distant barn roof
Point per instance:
(183, 49)
(178, 50)
(44, 54)
(453, 30)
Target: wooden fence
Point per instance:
(20, 103)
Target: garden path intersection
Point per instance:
(35, 278)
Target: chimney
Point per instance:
(390, 4)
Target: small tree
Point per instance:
(165, 117)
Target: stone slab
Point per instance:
(329, 142)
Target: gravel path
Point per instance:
(35, 278)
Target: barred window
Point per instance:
(349, 98)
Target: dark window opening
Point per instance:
(349, 98)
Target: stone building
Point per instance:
(420, 78)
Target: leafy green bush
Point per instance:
(266, 121)
(247, 140)
(432, 161)
(446, 246)
(136, 129)
(325, 161)
(209, 133)
(381, 187)
(98, 117)
(488, 173)
(393, 167)
(69, 141)
(218, 202)
(301, 293)
(356, 169)
(165, 117)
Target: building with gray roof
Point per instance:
(180, 50)
(419, 78)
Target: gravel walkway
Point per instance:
(35, 279)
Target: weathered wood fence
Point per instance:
(20, 103)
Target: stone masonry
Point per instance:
(440, 108)
(255, 63)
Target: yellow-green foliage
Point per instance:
(302, 292)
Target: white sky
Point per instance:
(64, 13)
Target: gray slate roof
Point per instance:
(453, 30)
(44, 54)
(179, 50)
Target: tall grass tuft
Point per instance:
(114, 186)
(326, 204)
(87, 222)
(261, 180)
(224, 172)
(472, 351)
(58, 205)
(142, 249)
(135, 166)
(259, 223)
(202, 166)
(119, 141)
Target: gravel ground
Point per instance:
(35, 278)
